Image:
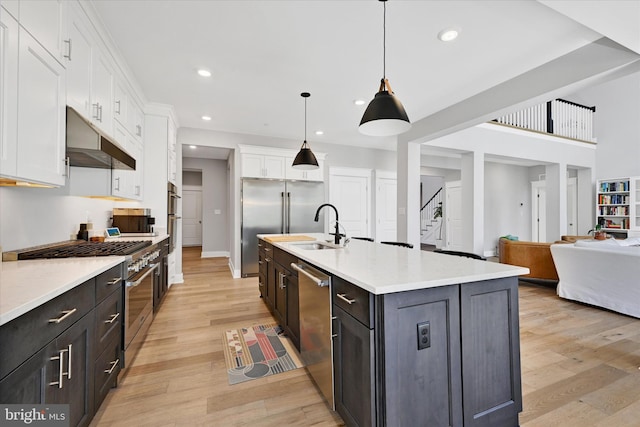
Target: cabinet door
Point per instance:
(274, 167)
(79, 65)
(135, 120)
(28, 382)
(252, 165)
(271, 280)
(491, 384)
(353, 367)
(423, 381)
(41, 114)
(304, 175)
(293, 309)
(46, 21)
(280, 297)
(9, 98)
(120, 104)
(101, 93)
(138, 174)
(72, 357)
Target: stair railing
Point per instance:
(428, 209)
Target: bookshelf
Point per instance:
(616, 203)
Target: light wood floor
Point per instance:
(579, 364)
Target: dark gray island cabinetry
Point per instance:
(444, 356)
(421, 339)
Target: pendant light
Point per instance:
(305, 159)
(385, 115)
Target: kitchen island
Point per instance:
(419, 338)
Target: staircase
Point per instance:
(430, 227)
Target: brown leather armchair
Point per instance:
(533, 255)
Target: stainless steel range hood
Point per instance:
(88, 147)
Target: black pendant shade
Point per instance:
(385, 115)
(305, 159)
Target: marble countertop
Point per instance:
(25, 285)
(382, 269)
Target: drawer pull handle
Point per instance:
(114, 365)
(69, 361)
(344, 298)
(61, 372)
(282, 277)
(114, 281)
(267, 259)
(113, 318)
(260, 262)
(65, 314)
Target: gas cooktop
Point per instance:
(85, 249)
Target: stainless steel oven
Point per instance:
(172, 215)
(138, 300)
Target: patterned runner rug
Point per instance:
(258, 351)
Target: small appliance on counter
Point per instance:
(134, 221)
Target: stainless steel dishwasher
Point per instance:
(316, 345)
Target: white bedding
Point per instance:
(602, 273)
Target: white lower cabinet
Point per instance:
(41, 114)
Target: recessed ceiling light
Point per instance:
(448, 34)
(206, 118)
(359, 102)
(204, 73)
(193, 147)
(319, 132)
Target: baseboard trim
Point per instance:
(214, 254)
(234, 273)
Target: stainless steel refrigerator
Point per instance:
(277, 207)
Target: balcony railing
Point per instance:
(557, 117)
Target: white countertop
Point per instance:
(25, 285)
(382, 269)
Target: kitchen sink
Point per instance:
(314, 246)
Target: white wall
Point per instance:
(507, 203)
(38, 216)
(215, 236)
(616, 125)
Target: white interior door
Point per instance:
(386, 203)
(453, 216)
(191, 217)
(349, 193)
(538, 211)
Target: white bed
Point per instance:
(600, 273)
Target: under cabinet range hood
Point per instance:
(88, 147)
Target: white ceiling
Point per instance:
(263, 54)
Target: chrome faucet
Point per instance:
(336, 239)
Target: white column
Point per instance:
(408, 161)
(556, 200)
(586, 202)
(472, 182)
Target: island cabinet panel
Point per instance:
(353, 366)
(491, 353)
(286, 304)
(421, 384)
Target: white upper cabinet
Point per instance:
(9, 90)
(127, 112)
(275, 163)
(304, 175)
(41, 114)
(263, 166)
(79, 65)
(172, 167)
(120, 103)
(101, 92)
(46, 21)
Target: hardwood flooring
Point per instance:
(579, 363)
